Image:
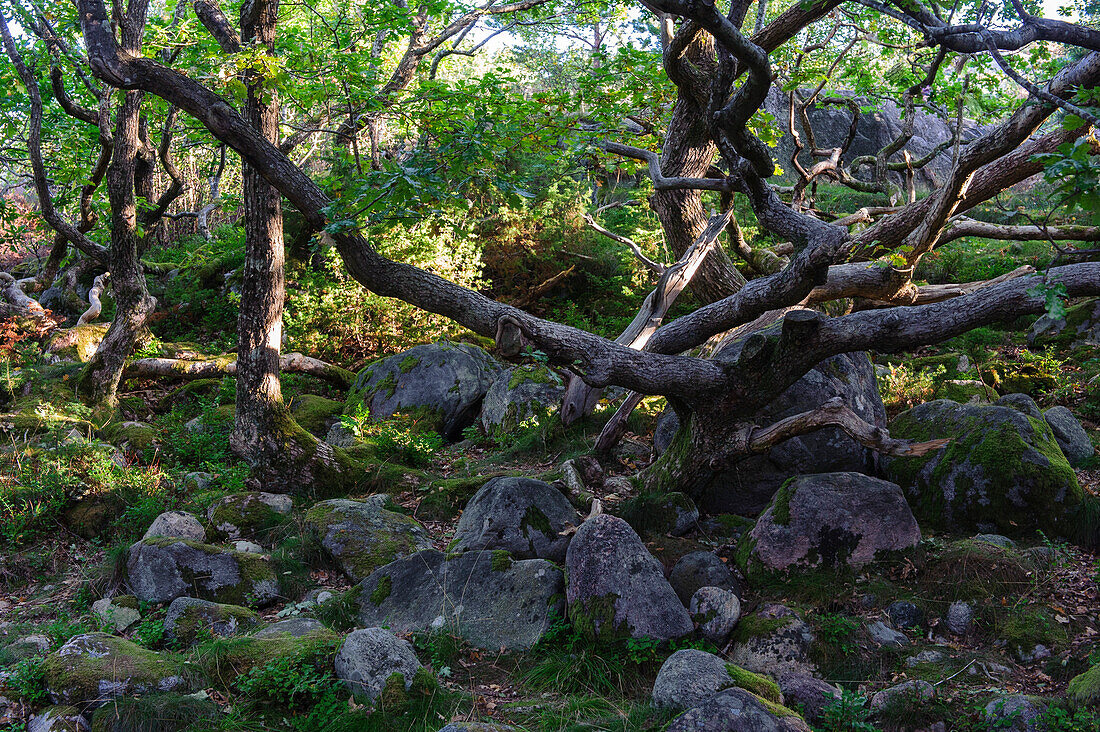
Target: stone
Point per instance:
(617, 588)
(701, 569)
(27, 646)
(1081, 326)
(58, 719)
(1085, 688)
(737, 710)
(368, 658)
(1002, 472)
(362, 536)
(247, 515)
(484, 597)
(93, 668)
(527, 518)
(1037, 653)
(883, 635)
(176, 525)
(689, 677)
(119, 618)
(247, 547)
(1015, 713)
(442, 385)
(830, 520)
(294, 627)
(157, 713)
(912, 692)
(748, 488)
(530, 392)
(190, 620)
(78, 343)
(315, 414)
(958, 617)
(672, 513)
(197, 482)
(807, 693)
(136, 435)
(929, 655)
(715, 611)
(965, 391)
(1022, 403)
(1071, 437)
(160, 570)
(996, 540)
(779, 642)
(904, 614)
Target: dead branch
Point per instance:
(189, 370)
(95, 305)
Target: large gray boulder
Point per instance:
(362, 536)
(484, 597)
(519, 515)
(701, 569)
(809, 694)
(368, 658)
(1080, 326)
(519, 394)
(780, 643)
(689, 677)
(160, 570)
(616, 587)
(245, 515)
(830, 520)
(1071, 436)
(1002, 472)
(716, 612)
(440, 384)
(748, 488)
(1015, 713)
(91, 669)
(190, 620)
(176, 525)
(737, 710)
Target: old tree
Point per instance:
(839, 281)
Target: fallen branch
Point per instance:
(13, 293)
(188, 369)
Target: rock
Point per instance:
(118, 617)
(137, 435)
(996, 540)
(78, 343)
(671, 513)
(616, 587)
(478, 727)
(1037, 653)
(929, 655)
(160, 570)
(27, 646)
(176, 525)
(440, 384)
(247, 515)
(701, 569)
(1071, 437)
(774, 640)
(1085, 688)
(362, 536)
(1002, 472)
(829, 520)
(807, 693)
(965, 391)
(93, 515)
(1080, 326)
(884, 635)
(340, 436)
(484, 597)
(522, 516)
(1015, 713)
(190, 620)
(58, 719)
(315, 414)
(294, 627)
(689, 677)
(1022, 403)
(247, 547)
(911, 693)
(197, 482)
(958, 617)
(747, 489)
(904, 614)
(157, 713)
(93, 668)
(715, 611)
(368, 658)
(737, 710)
(519, 394)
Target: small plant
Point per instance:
(839, 631)
(848, 713)
(902, 388)
(295, 681)
(27, 680)
(398, 439)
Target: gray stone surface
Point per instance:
(27, 646)
(119, 618)
(832, 519)
(190, 620)
(701, 569)
(93, 668)
(368, 658)
(519, 394)
(996, 540)
(884, 635)
(1071, 437)
(1022, 403)
(58, 719)
(244, 515)
(785, 649)
(912, 691)
(715, 611)
(525, 517)
(176, 525)
(616, 587)
(688, 678)
(1015, 713)
(362, 536)
(958, 617)
(296, 627)
(735, 710)
(160, 570)
(904, 614)
(443, 383)
(810, 694)
(483, 596)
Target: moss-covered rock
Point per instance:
(93, 514)
(315, 413)
(93, 668)
(78, 343)
(1002, 472)
(224, 661)
(1085, 688)
(659, 513)
(190, 620)
(247, 515)
(1021, 378)
(58, 719)
(972, 569)
(155, 713)
(162, 569)
(525, 392)
(1081, 324)
(362, 536)
(138, 435)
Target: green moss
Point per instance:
(754, 626)
(762, 686)
(502, 560)
(781, 504)
(224, 660)
(79, 677)
(1085, 689)
(195, 620)
(531, 373)
(1023, 628)
(594, 618)
(382, 591)
(446, 497)
(408, 363)
(314, 412)
(971, 570)
(537, 520)
(245, 512)
(382, 538)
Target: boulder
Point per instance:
(830, 520)
(522, 516)
(689, 677)
(368, 658)
(90, 669)
(1080, 326)
(909, 693)
(441, 385)
(119, 617)
(701, 569)
(807, 693)
(715, 612)
(958, 617)
(1015, 713)
(1084, 688)
(616, 587)
(669, 513)
(1071, 437)
(246, 515)
(160, 570)
(136, 435)
(315, 414)
(176, 525)
(520, 394)
(190, 620)
(1002, 471)
(737, 710)
(58, 719)
(78, 343)
(27, 646)
(883, 635)
(774, 640)
(904, 614)
(362, 536)
(747, 489)
(293, 627)
(485, 597)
